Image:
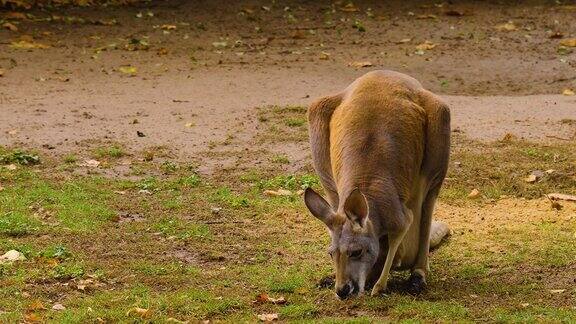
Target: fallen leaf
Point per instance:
(141, 312)
(280, 192)
(268, 317)
(264, 298)
(569, 42)
(1, 72)
(557, 291)
(427, 45)
(15, 15)
(559, 196)
(556, 35)
(350, 7)
(168, 27)
(128, 69)
(90, 163)
(568, 92)
(58, 307)
(10, 26)
(324, 56)
(174, 320)
(26, 44)
(531, 178)
(12, 256)
(1, 188)
(525, 305)
(475, 193)
(162, 51)
(190, 125)
(454, 13)
(36, 305)
(426, 17)
(31, 318)
(404, 41)
(509, 26)
(360, 64)
(220, 44)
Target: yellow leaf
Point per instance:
(427, 45)
(168, 27)
(25, 44)
(128, 69)
(569, 42)
(509, 26)
(350, 7)
(568, 92)
(141, 312)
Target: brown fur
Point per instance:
(389, 138)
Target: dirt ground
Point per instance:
(210, 65)
(194, 78)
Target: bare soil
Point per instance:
(207, 66)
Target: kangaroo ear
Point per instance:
(356, 208)
(319, 207)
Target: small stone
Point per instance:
(58, 307)
(12, 256)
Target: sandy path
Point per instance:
(62, 115)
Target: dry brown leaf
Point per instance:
(280, 192)
(568, 92)
(36, 305)
(475, 193)
(569, 42)
(324, 56)
(10, 26)
(427, 45)
(168, 27)
(90, 163)
(1, 72)
(264, 298)
(426, 17)
(360, 64)
(556, 35)
(350, 7)
(454, 13)
(268, 317)
(15, 15)
(509, 26)
(404, 41)
(26, 44)
(31, 318)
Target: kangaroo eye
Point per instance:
(355, 253)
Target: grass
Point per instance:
(203, 247)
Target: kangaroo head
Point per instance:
(354, 248)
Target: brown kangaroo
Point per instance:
(381, 150)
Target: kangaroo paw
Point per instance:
(415, 284)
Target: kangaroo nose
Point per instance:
(344, 291)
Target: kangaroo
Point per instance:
(381, 150)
